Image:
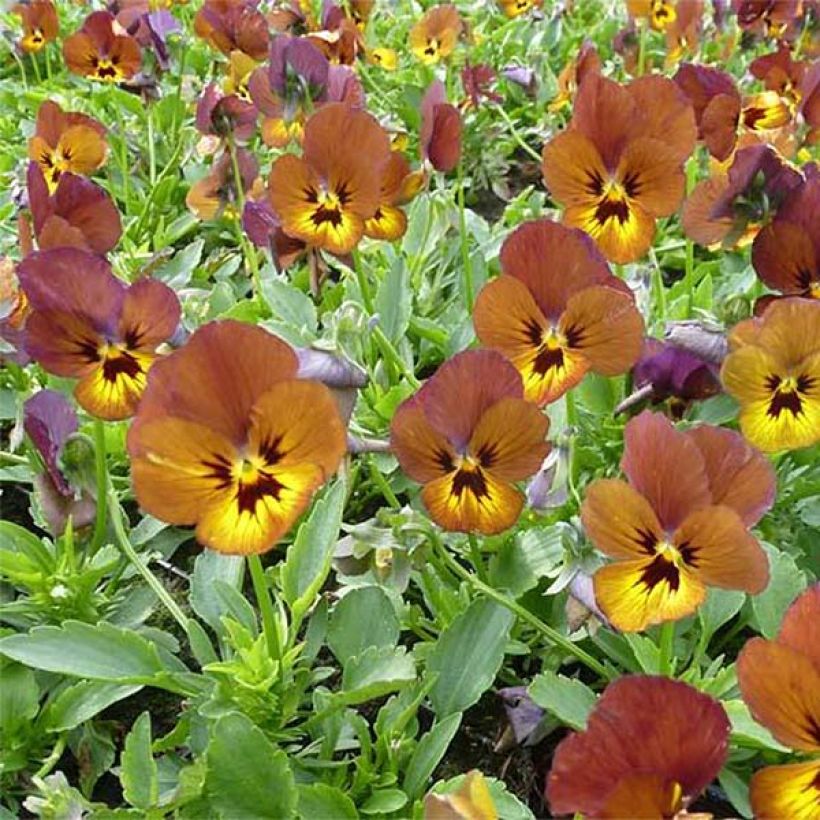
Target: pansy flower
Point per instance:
(225, 115)
(263, 228)
(399, 186)
(434, 37)
(40, 24)
(227, 438)
(515, 8)
(149, 22)
(729, 207)
(557, 312)
(233, 25)
(725, 119)
(780, 682)
(66, 141)
(341, 44)
(660, 14)
(679, 524)
(78, 214)
(573, 73)
(476, 80)
(101, 50)
(325, 196)
(684, 33)
(440, 132)
(772, 18)
(786, 252)
(86, 324)
(14, 309)
(467, 436)
(217, 194)
(619, 165)
(650, 747)
(773, 370)
(385, 58)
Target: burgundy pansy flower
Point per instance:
(223, 115)
(476, 81)
(233, 25)
(440, 134)
(675, 373)
(88, 325)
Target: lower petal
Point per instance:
(636, 594)
(112, 390)
(643, 796)
(623, 237)
(484, 504)
(791, 791)
(388, 223)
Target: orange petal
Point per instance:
(800, 629)
(791, 791)
(388, 223)
(150, 315)
(112, 390)
(573, 169)
(652, 176)
(472, 501)
(785, 258)
(636, 594)
(791, 329)
(781, 687)
(618, 520)
(698, 222)
(666, 114)
(718, 125)
(739, 476)
(606, 327)
(651, 444)
(643, 796)
(83, 148)
(423, 453)
(510, 439)
(715, 543)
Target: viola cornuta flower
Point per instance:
(651, 746)
(102, 50)
(780, 682)
(557, 312)
(227, 438)
(467, 436)
(88, 325)
(40, 24)
(679, 524)
(434, 37)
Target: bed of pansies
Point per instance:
(410, 410)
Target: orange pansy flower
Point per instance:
(773, 370)
(217, 194)
(651, 746)
(660, 14)
(434, 37)
(325, 196)
(467, 435)
(515, 8)
(557, 312)
(66, 141)
(86, 324)
(228, 439)
(399, 186)
(233, 25)
(619, 165)
(101, 50)
(673, 532)
(780, 682)
(40, 24)
(573, 73)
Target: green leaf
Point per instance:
(19, 697)
(211, 566)
(428, 754)
(100, 652)
(786, 582)
(177, 272)
(467, 656)
(82, 701)
(737, 790)
(567, 698)
(384, 801)
(363, 605)
(377, 672)
(521, 562)
(248, 777)
(138, 769)
(720, 606)
(326, 802)
(16, 539)
(746, 730)
(309, 558)
(394, 302)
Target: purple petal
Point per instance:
(522, 713)
(49, 419)
(260, 222)
(308, 63)
(205, 108)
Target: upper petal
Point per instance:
(800, 629)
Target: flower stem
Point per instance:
(689, 274)
(248, 251)
(260, 589)
(139, 565)
(666, 643)
(466, 262)
(572, 424)
(380, 481)
(364, 285)
(476, 557)
(547, 631)
(392, 356)
(642, 50)
(522, 144)
(152, 157)
(101, 475)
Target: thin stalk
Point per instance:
(380, 481)
(391, 354)
(642, 50)
(139, 565)
(248, 250)
(520, 141)
(475, 556)
(260, 589)
(101, 475)
(572, 423)
(36, 69)
(364, 285)
(21, 65)
(53, 759)
(466, 262)
(152, 155)
(123, 158)
(689, 275)
(666, 643)
(48, 62)
(547, 631)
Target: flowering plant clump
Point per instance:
(410, 410)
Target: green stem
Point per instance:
(391, 354)
(364, 285)
(101, 475)
(139, 565)
(573, 424)
(380, 481)
(123, 157)
(53, 759)
(642, 50)
(522, 144)
(466, 262)
(475, 557)
(689, 275)
(152, 157)
(260, 589)
(666, 643)
(547, 631)
(248, 250)
(48, 62)
(36, 69)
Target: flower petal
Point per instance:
(800, 629)
(643, 796)
(791, 791)
(652, 176)
(573, 168)
(423, 453)
(112, 389)
(150, 315)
